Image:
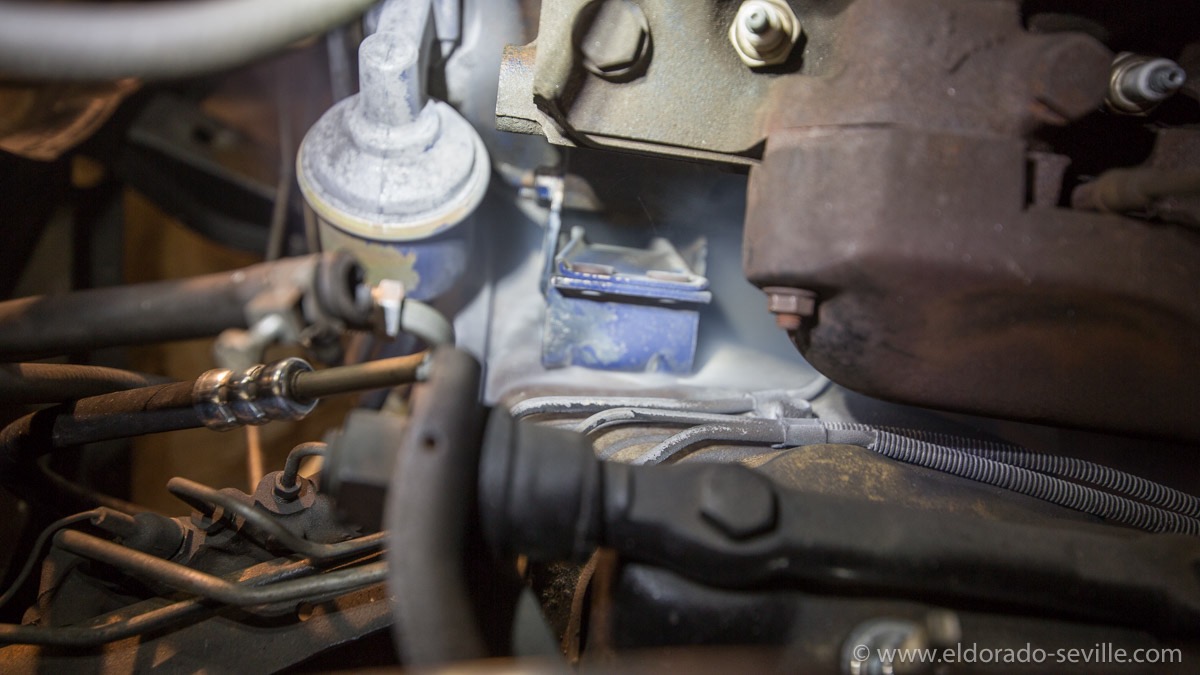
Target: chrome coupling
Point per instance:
(227, 399)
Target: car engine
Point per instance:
(834, 336)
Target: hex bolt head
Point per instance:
(615, 39)
(738, 502)
(790, 305)
(764, 32)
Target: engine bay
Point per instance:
(847, 336)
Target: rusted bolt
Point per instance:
(1069, 78)
(764, 32)
(790, 305)
(741, 504)
(615, 39)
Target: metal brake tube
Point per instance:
(215, 588)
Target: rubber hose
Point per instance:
(110, 41)
(135, 412)
(29, 383)
(161, 311)
(1047, 488)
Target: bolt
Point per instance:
(616, 41)
(1138, 83)
(1166, 79)
(790, 305)
(737, 501)
(764, 32)
(757, 21)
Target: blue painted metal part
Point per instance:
(616, 308)
(428, 268)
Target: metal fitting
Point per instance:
(615, 39)
(790, 305)
(739, 504)
(226, 399)
(1139, 83)
(764, 32)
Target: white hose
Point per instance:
(157, 40)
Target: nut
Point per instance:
(616, 39)
(790, 305)
(764, 32)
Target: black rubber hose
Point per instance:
(1071, 468)
(1024, 481)
(30, 383)
(167, 407)
(123, 414)
(163, 311)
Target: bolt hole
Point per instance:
(429, 443)
(305, 611)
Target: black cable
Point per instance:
(85, 497)
(1047, 488)
(1025, 476)
(36, 551)
(1071, 468)
(203, 497)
